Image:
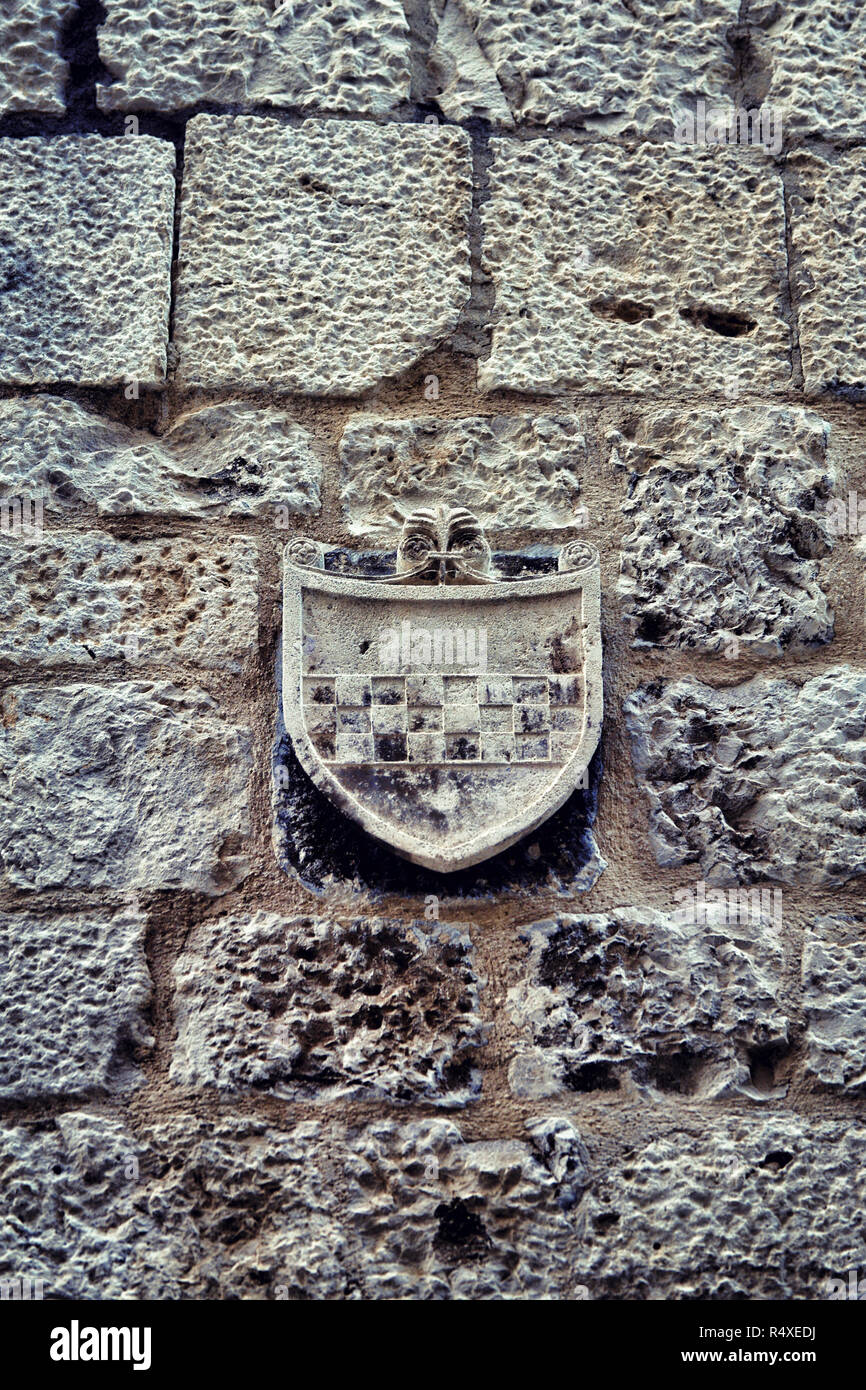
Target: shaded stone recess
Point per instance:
(87, 598)
(828, 198)
(33, 72)
(75, 992)
(236, 1209)
(305, 1006)
(659, 268)
(125, 786)
(834, 1000)
(338, 255)
(225, 460)
(508, 470)
(805, 61)
(730, 515)
(85, 259)
(348, 57)
(639, 998)
(765, 780)
(740, 1208)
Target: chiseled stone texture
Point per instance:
(313, 1007)
(741, 1208)
(74, 992)
(87, 598)
(225, 460)
(729, 511)
(133, 785)
(509, 470)
(616, 67)
(808, 57)
(764, 780)
(827, 215)
(32, 71)
(834, 1000)
(676, 1005)
(235, 1209)
(318, 258)
(348, 57)
(659, 268)
(85, 259)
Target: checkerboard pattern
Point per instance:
(495, 718)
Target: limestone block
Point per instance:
(736, 1208)
(827, 230)
(834, 1001)
(654, 269)
(508, 470)
(729, 517)
(763, 780)
(689, 1000)
(805, 58)
(309, 1006)
(85, 259)
(32, 72)
(74, 991)
(616, 67)
(87, 598)
(318, 258)
(133, 785)
(348, 57)
(225, 460)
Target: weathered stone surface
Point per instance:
(658, 268)
(348, 57)
(617, 67)
(225, 460)
(827, 204)
(508, 470)
(760, 1209)
(135, 785)
(339, 255)
(87, 598)
(758, 475)
(85, 259)
(74, 991)
(834, 1000)
(32, 72)
(309, 1006)
(762, 780)
(673, 1004)
(805, 61)
(235, 1209)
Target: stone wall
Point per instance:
(268, 271)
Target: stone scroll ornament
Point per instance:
(445, 708)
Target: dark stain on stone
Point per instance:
(461, 1232)
(626, 310)
(727, 324)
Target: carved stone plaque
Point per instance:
(448, 710)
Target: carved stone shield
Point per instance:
(447, 719)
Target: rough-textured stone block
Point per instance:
(767, 1209)
(659, 268)
(805, 61)
(762, 780)
(303, 1006)
(676, 1005)
(135, 785)
(32, 72)
(318, 258)
(74, 991)
(87, 598)
(225, 460)
(624, 65)
(827, 206)
(759, 476)
(85, 259)
(348, 57)
(509, 470)
(834, 1000)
